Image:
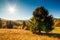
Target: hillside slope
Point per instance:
(56, 23)
(17, 34)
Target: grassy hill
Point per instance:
(56, 26)
(19, 24)
(17, 34)
(57, 23)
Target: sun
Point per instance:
(11, 9)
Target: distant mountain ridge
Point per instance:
(56, 18)
(26, 20)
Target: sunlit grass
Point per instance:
(56, 30)
(19, 34)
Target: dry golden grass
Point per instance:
(17, 34)
(56, 30)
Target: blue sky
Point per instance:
(25, 8)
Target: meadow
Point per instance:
(20, 34)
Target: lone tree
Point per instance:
(41, 21)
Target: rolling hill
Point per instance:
(19, 23)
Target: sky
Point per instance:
(23, 9)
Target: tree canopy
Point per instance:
(41, 20)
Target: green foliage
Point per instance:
(33, 25)
(41, 21)
(9, 24)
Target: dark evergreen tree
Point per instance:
(41, 20)
(9, 24)
(23, 24)
(0, 23)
